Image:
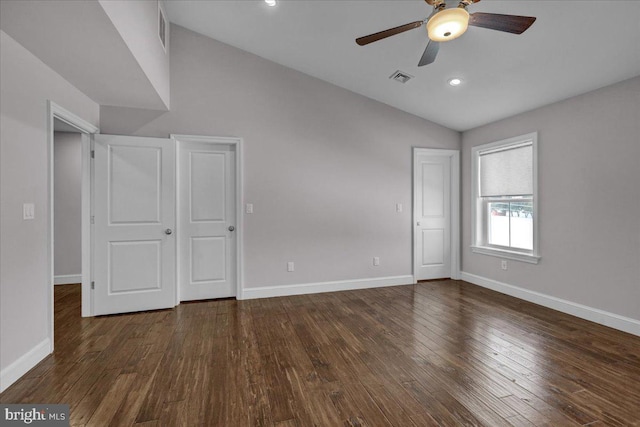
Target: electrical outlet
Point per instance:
(504, 264)
(290, 266)
(249, 208)
(398, 207)
(376, 261)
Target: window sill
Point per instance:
(517, 256)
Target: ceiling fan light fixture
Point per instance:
(448, 24)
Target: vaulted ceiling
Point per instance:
(573, 47)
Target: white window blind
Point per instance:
(507, 171)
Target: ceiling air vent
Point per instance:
(401, 76)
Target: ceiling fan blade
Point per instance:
(388, 33)
(508, 23)
(430, 53)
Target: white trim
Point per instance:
(69, 118)
(612, 320)
(86, 245)
(320, 287)
(238, 143)
(65, 279)
(516, 256)
(24, 364)
(476, 222)
(455, 206)
(54, 111)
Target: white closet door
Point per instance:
(206, 206)
(432, 182)
(134, 253)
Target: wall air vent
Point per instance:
(401, 76)
(162, 27)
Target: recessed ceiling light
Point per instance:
(455, 82)
(270, 2)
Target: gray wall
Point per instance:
(137, 23)
(67, 179)
(589, 200)
(324, 167)
(25, 86)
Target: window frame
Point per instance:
(479, 220)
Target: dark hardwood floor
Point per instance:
(438, 353)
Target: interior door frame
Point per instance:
(454, 155)
(54, 111)
(237, 143)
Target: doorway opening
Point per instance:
(70, 259)
(67, 218)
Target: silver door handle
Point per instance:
(231, 228)
(168, 231)
(418, 223)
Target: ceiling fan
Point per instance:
(447, 24)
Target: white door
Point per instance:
(134, 217)
(206, 212)
(432, 215)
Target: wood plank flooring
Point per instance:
(441, 353)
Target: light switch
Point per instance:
(398, 207)
(28, 211)
(249, 208)
(290, 267)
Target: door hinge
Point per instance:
(93, 219)
(93, 285)
(93, 154)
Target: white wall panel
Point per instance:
(207, 189)
(124, 261)
(208, 259)
(433, 191)
(433, 249)
(134, 173)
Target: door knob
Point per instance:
(231, 228)
(168, 231)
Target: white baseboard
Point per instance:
(67, 279)
(315, 288)
(13, 372)
(622, 323)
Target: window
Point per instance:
(505, 214)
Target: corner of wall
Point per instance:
(24, 364)
(612, 320)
